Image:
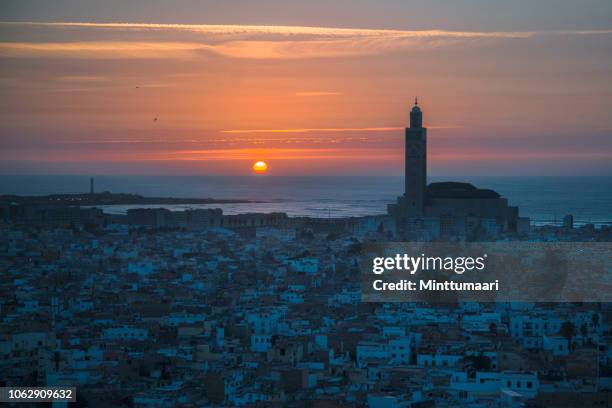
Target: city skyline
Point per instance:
(295, 203)
(212, 89)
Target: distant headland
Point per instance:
(108, 198)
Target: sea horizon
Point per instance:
(544, 199)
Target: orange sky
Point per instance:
(83, 98)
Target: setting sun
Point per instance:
(260, 167)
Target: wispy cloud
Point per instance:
(251, 49)
(234, 30)
(293, 31)
(312, 130)
(317, 93)
(83, 78)
(274, 154)
(100, 49)
(309, 130)
(255, 42)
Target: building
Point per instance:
(449, 209)
(200, 219)
(149, 217)
(48, 215)
(415, 166)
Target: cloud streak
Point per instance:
(312, 130)
(253, 42)
(101, 49)
(276, 154)
(240, 30)
(317, 93)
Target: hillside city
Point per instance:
(136, 311)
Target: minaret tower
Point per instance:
(415, 176)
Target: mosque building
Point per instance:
(446, 209)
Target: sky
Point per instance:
(311, 87)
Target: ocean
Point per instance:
(544, 199)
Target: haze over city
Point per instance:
(311, 88)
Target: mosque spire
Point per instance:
(416, 116)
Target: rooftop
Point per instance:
(453, 189)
